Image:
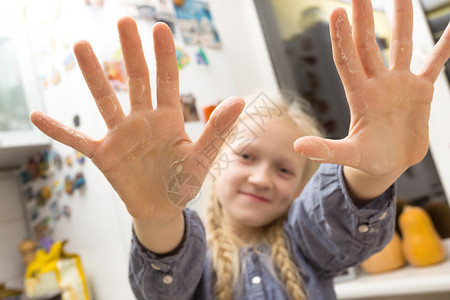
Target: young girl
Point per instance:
(270, 236)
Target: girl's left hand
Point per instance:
(390, 108)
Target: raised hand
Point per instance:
(390, 108)
(146, 155)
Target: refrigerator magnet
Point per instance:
(76, 121)
(46, 192)
(79, 181)
(34, 212)
(80, 157)
(66, 211)
(182, 58)
(54, 210)
(68, 186)
(69, 161)
(207, 111)
(57, 161)
(201, 57)
(188, 107)
(57, 187)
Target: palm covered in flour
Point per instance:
(146, 155)
(389, 108)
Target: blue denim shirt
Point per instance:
(328, 234)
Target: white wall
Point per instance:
(244, 46)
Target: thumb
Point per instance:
(321, 150)
(219, 124)
(183, 187)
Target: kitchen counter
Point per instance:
(405, 281)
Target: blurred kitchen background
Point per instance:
(50, 193)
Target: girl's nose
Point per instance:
(261, 176)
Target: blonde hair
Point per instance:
(224, 245)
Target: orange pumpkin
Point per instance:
(388, 259)
(422, 245)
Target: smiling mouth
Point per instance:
(255, 197)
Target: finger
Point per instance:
(364, 38)
(135, 64)
(98, 84)
(218, 127)
(401, 42)
(344, 55)
(440, 54)
(328, 151)
(167, 89)
(64, 134)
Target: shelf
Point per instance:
(15, 157)
(405, 281)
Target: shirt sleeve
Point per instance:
(330, 231)
(175, 276)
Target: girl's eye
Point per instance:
(284, 170)
(246, 156)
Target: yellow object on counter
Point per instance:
(422, 245)
(388, 259)
(56, 272)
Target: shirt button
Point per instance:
(167, 279)
(363, 228)
(382, 216)
(155, 267)
(256, 280)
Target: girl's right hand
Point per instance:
(146, 155)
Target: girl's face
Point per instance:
(263, 176)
